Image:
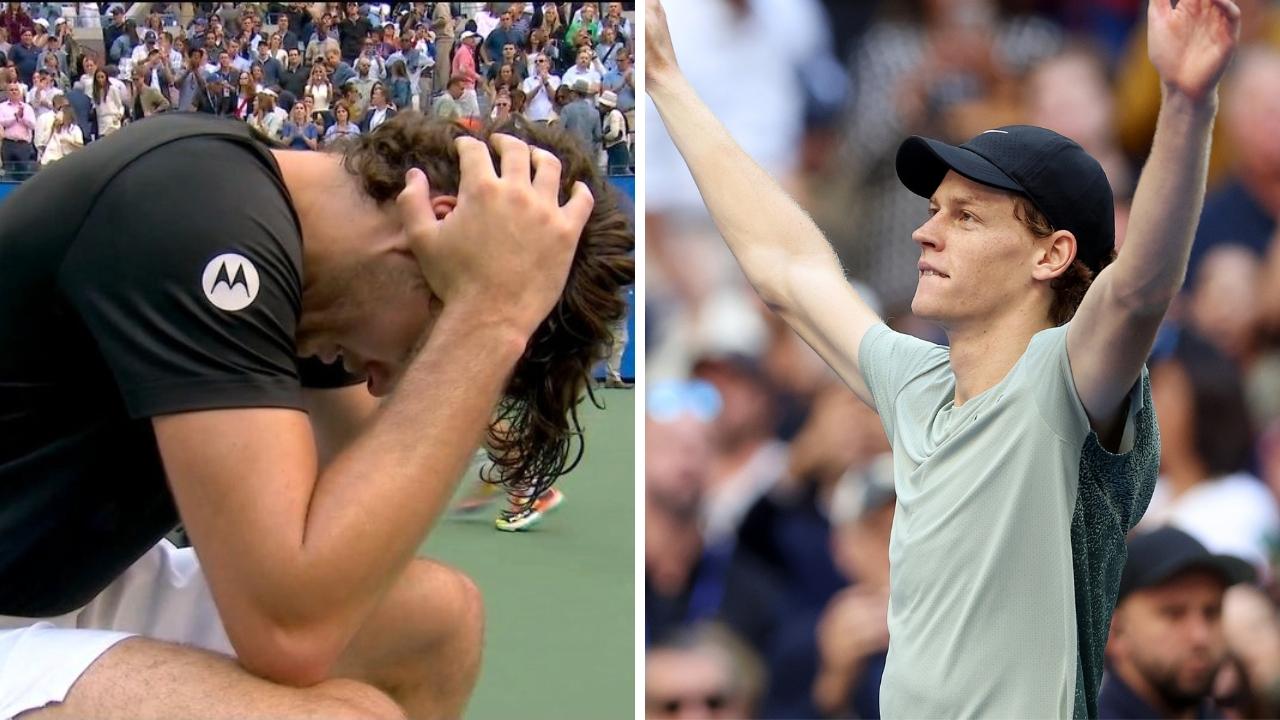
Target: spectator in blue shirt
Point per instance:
(298, 132)
(622, 80)
(502, 35)
(608, 48)
(25, 56)
(124, 43)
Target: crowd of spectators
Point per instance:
(769, 499)
(312, 74)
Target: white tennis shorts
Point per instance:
(162, 596)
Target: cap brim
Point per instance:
(923, 163)
(1232, 569)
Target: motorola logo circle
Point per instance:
(230, 282)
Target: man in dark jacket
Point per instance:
(352, 31)
(216, 99)
(1167, 643)
(294, 75)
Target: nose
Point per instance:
(1202, 628)
(929, 235)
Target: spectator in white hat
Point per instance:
(581, 119)
(464, 64)
(614, 127)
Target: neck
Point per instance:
(981, 355)
(316, 181)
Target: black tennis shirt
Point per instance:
(156, 271)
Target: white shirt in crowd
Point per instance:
(485, 23)
(62, 143)
(377, 116)
(111, 108)
(42, 101)
(539, 103)
(44, 128)
(591, 75)
(1232, 515)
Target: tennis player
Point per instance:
(1025, 450)
(156, 292)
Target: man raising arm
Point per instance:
(1011, 512)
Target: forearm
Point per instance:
(373, 505)
(1166, 206)
(763, 227)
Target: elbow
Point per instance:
(294, 657)
(288, 652)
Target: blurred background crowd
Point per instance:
(769, 497)
(312, 74)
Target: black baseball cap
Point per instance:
(1157, 556)
(1055, 173)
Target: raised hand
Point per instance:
(508, 243)
(1190, 45)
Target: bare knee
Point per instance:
(353, 700)
(471, 608)
(447, 590)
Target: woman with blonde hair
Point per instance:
(319, 89)
(66, 137)
(276, 45)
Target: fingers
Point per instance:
(578, 209)
(414, 203)
(1231, 9)
(514, 154)
(1160, 8)
(546, 174)
(474, 162)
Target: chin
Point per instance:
(927, 308)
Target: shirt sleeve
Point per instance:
(190, 282)
(1055, 393)
(889, 361)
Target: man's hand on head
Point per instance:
(507, 245)
(1190, 44)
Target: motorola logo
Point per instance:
(230, 282)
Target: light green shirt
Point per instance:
(982, 608)
(446, 108)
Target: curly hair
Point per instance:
(1069, 287)
(535, 435)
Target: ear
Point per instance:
(442, 205)
(1057, 252)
